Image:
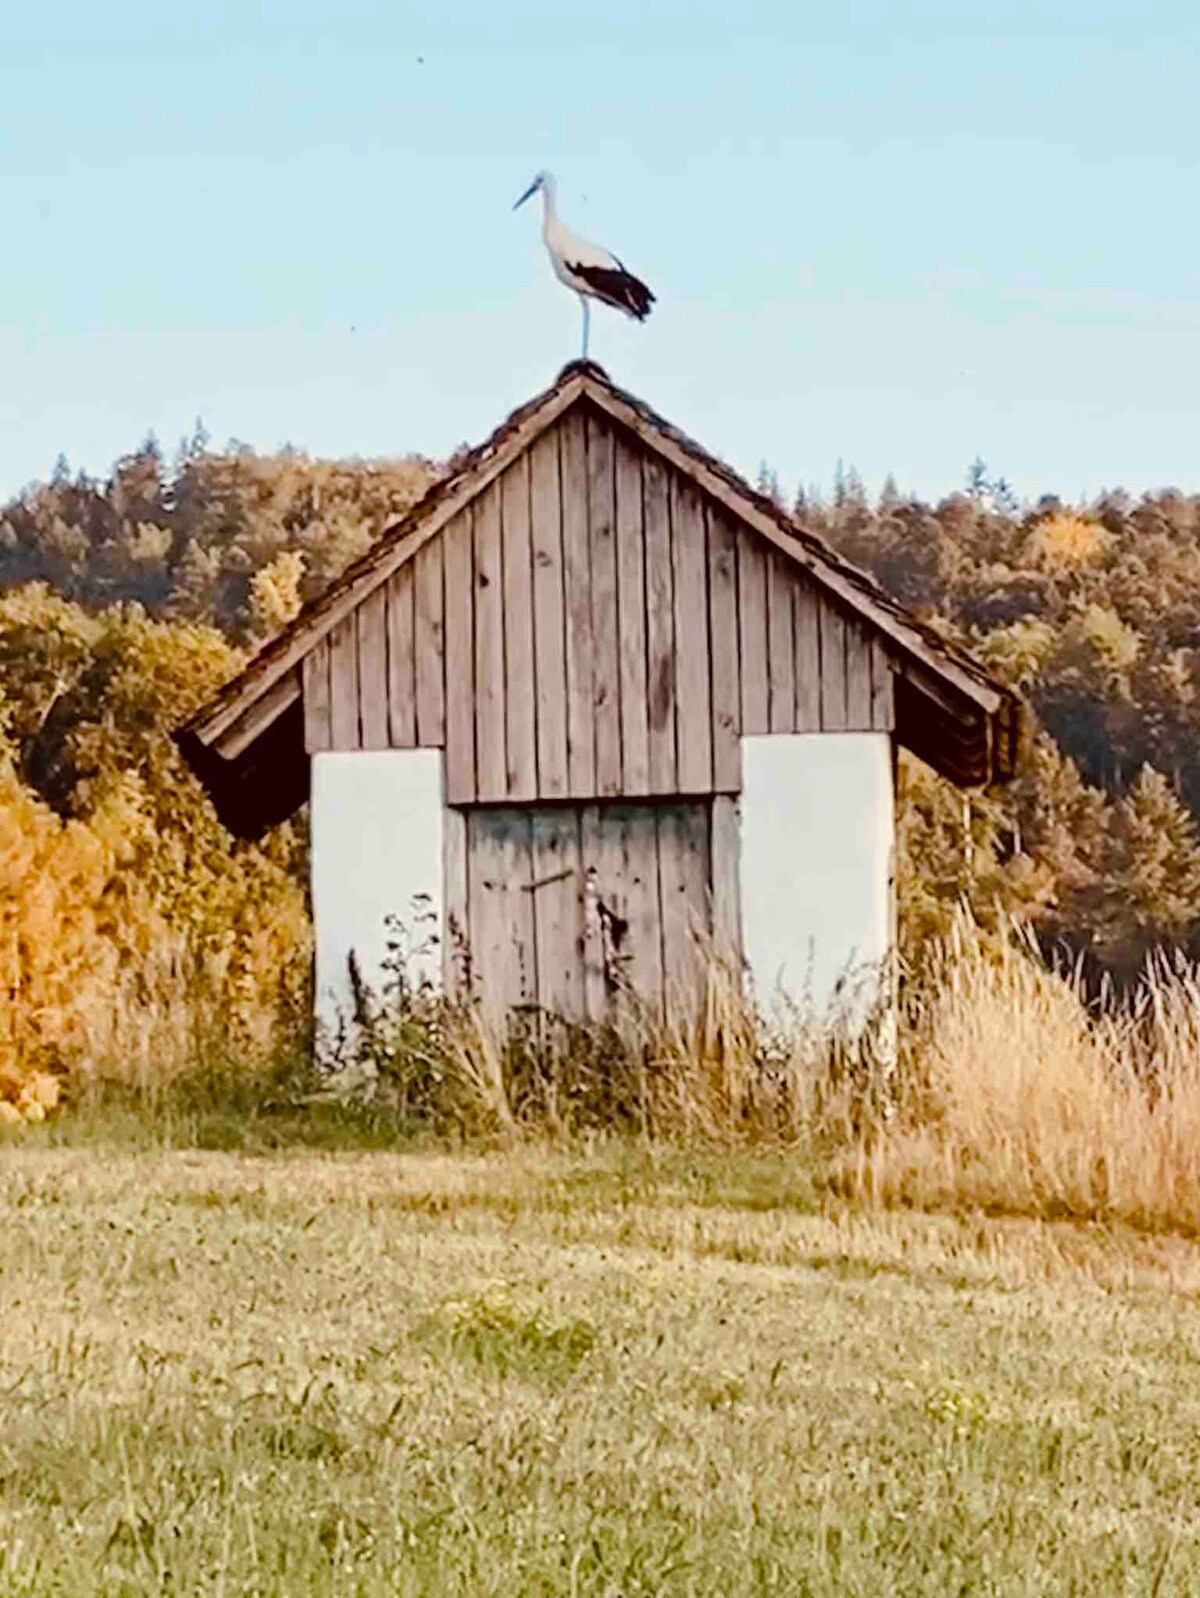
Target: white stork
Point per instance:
(592, 272)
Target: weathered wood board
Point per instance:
(592, 627)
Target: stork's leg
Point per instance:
(587, 312)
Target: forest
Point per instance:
(130, 921)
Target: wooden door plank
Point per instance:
(752, 633)
(833, 669)
(500, 913)
(460, 662)
(660, 628)
(577, 580)
(491, 774)
(642, 905)
(682, 907)
(318, 727)
(343, 683)
(614, 895)
(695, 870)
(723, 631)
(883, 710)
(550, 668)
(694, 722)
(606, 843)
(593, 878)
(780, 645)
(631, 608)
(457, 975)
(558, 909)
(520, 710)
(858, 677)
(606, 688)
(429, 645)
(521, 950)
(726, 873)
(370, 621)
(401, 662)
(806, 623)
(523, 930)
(480, 934)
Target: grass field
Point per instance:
(616, 1374)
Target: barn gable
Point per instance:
(591, 608)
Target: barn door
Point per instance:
(571, 906)
(648, 888)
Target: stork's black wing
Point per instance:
(616, 287)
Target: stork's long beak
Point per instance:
(532, 189)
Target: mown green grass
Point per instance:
(543, 1373)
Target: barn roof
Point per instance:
(247, 743)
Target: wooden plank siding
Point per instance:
(858, 677)
(460, 660)
(631, 619)
(520, 711)
(318, 723)
(429, 645)
(491, 778)
(343, 685)
(693, 693)
(781, 675)
(606, 669)
(400, 600)
(806, 632)
(832, 631)
(724, 652)
(549, 626)
(752, 634)
(883, 707)
(662, 641)
(593, 627)
(577, 606)
(371, 619)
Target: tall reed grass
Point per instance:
(1021, 1092)
(1003, 1085)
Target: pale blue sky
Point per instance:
(902, 232)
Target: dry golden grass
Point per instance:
(1011, 1090)
(1022, 1096)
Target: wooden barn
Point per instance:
(592, 695)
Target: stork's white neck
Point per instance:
(549, 199)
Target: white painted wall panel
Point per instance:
(818, 826)
(376, 821)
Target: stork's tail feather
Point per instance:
(638, 297)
